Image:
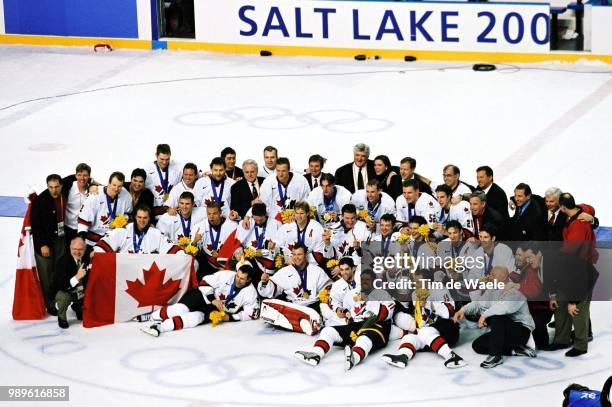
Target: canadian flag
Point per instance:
(231, 244)
(28, 299)
(123, 286)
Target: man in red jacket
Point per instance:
(578, 240)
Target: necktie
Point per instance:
(551, 221)
(254, 190)
(360, 180)
(316, 183)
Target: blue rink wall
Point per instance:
(496, 32)
(79, 18)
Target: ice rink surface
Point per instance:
(548, 125)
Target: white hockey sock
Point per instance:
(362, 348)
(326, 340)
(188, 320)
(445, 351)
(169, 311)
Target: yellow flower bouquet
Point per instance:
(119, 222)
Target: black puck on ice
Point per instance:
(265, 53)
(483, 67)
(360, 57)
(409, 58)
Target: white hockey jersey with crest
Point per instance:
(205, 189)
(296, 190)
(241, 304)
(122, 241)
(153, 182)
(288, 281)
(172, 227)
(426, 206)
(95, 217)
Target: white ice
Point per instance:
(546, 127)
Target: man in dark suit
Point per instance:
(406, 171)
(556, 219)
(47, 218)
(527, 224)
(315, 170)
(483, 214)
(354, 176)
(496, 197)
(70, 279)
(246, 191)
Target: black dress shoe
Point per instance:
(556, 346)
(52, 311)
(574, 352)
(62, 323)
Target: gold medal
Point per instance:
(306, 295)
(166, 196)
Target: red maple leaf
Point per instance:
(296, 290)
(154, 291)
(358, 308)
(342, 247)
(103, 218)
(158, 189)
(221, 297)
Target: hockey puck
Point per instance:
(102, 47)
(484, 67)
(360, 57)
(409, 58)
(265, 53)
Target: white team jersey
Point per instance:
(76, 200)
(426, 206)
(122, 240)
(241, 304)
(460, 212)
(173, 228)
(337, 292)
(95, 216)
(205, 190)
(361, 310)
(342, 239)
(316, 199)
(257, 238)
(154, 183)
(377, 237)
(265, 172)
(175, 194)
(288, 280)
(439, 304)
(461, 189)
(296, 190)
(214, 238)
(385, 204)
(312, 236)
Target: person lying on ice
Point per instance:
(435, 328)
(368, 329)
(225, 296)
